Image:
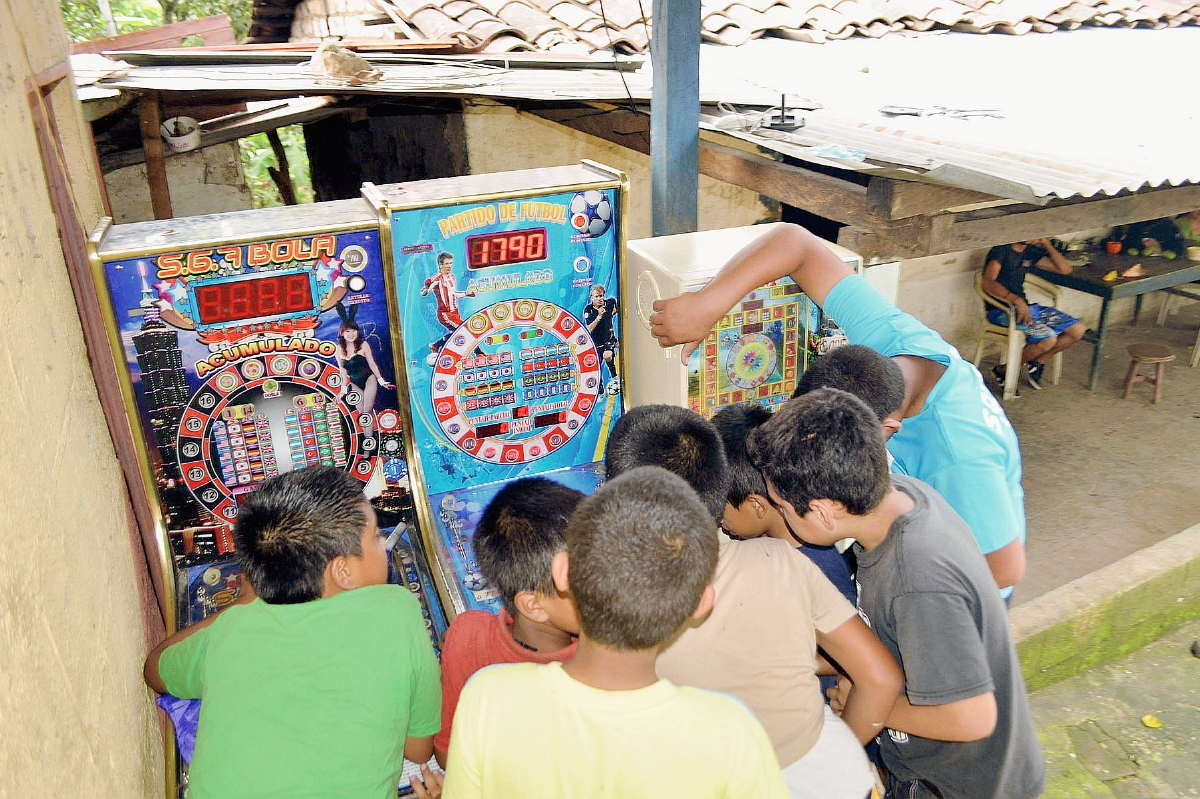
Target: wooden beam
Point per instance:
(823, 195)
(820, 194)
(675, 117)
(894, 244)
(968, 233)
(903, 199)
(150, 117)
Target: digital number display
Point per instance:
(510, 247)
(234, 300)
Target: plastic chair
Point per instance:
(1010, 339)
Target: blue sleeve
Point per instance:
(978, 491)
(869, 319)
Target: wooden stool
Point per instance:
(1148, 353)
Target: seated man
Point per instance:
(1047, 330)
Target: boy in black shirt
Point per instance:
(1047, 330)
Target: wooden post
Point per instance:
(150, 114)
(675, 117)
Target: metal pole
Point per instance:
(675, 116)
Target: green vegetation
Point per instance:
(257, 156)
(84, 21)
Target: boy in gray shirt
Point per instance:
(962, 728)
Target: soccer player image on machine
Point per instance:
(598, 316)
(444, 286)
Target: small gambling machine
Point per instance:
(508, 299)
(250, 344)
(757, 351)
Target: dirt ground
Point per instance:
(1105, 477)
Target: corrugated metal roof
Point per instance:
(434, 76)
(1098, 112)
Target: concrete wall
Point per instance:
(75, 719)
(208, 181)
(500, 138)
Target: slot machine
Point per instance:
(757, 351)
(507, 298)
(250, 344)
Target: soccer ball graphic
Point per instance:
(590, 212)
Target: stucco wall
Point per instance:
(208, 181)
(75, 719)
(500, 138)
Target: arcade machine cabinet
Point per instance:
(507, 288)
(757, 351)
(224, 329)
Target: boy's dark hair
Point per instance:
(642, 549)
(735, 424)
(522, 529)
(289, 530)
(680, 441)
(826, 444)
(869, 375)
(443, 257)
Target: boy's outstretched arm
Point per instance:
(786, 250)
(965, 720)
(876, 677)
(150, 672)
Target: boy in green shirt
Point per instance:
(326, 681)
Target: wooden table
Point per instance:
(1157, 274)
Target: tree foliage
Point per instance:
(84, 22)
(257, 156)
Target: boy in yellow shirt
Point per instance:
(640, 558)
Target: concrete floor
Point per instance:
(1096, 736)
(1105, 477)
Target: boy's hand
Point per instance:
(429, 784)
(1023, 315)
(685, 320)
(839, 695)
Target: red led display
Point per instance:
(234, 300)
(510, 247)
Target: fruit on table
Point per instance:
(1133, 271)
(1111, 276)
(1170, 256)
(1133, 251)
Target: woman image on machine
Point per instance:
(357, 362)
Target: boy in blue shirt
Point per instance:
(951, 432)
(326, 681)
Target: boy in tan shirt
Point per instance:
(773, 607)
